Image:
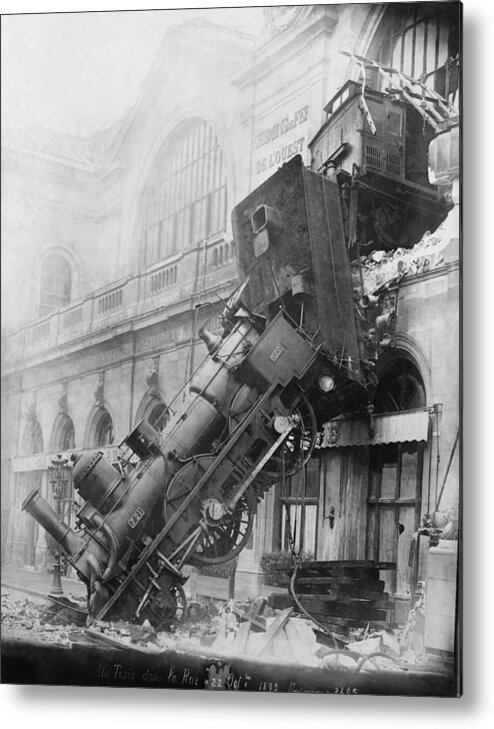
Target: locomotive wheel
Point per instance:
(169, 607)
(222, 537)
(224, 541)
(298, 446)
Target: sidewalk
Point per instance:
(38, 583)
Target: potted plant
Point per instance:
(278, 565)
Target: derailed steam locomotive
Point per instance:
(188, 495)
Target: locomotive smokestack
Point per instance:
(41, 510)
(212, 341)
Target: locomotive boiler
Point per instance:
(244, 422)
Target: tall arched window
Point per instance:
(158, 417)
(154, 410)
(56, 282)
(422, 40)
(63, 436)
(103, 433)
(185, 197)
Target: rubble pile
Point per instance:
(254, 630)
(44, 620)
(381, 268)
(250, 629)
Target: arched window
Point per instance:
(56, 282)
(153, 409)
(63, 438)
(103, 432)
(185, 198)
(422, 40)
(400, 387)
(158, 416)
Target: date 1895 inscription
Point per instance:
(217, 675)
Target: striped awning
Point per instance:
(412, 425)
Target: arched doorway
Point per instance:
(396, 472)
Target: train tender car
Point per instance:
(244, 420)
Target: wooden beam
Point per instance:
(278, 623)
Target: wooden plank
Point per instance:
(335, 583)
(347, 612)
(333, 620)
(381, 603)
(282, 648)
(275, 626)
(350, 563)
(350, 591)
(259, 622)
(346, 609)
(329, 640)
(341, 624)
(368, 573)
(362, 584)
(373, 585)
(240, 642)
(123, 645)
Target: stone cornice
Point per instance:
(287, 45)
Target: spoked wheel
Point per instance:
(228, 537)
(169, 607)
(218, 534)
(296, 450)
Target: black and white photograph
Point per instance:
(231, 445)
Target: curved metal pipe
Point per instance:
(94, 569)
(112, 561)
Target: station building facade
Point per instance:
(119, 248)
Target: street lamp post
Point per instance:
(59, 471)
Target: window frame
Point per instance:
(50, 298)
(284, 498)
(435, 60)
(185, 196)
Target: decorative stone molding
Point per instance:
(378, 319)
(153, 378)
(99, 392)
(62, 400)
(31, 411)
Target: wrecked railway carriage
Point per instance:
(300, 344)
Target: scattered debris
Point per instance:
(384, 267)
(250, 629)
(44, 619)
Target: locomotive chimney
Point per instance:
(212, 341)
(41, 510)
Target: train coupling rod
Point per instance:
(288, 426)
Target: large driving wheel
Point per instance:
(219, 534)
(169, 607)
